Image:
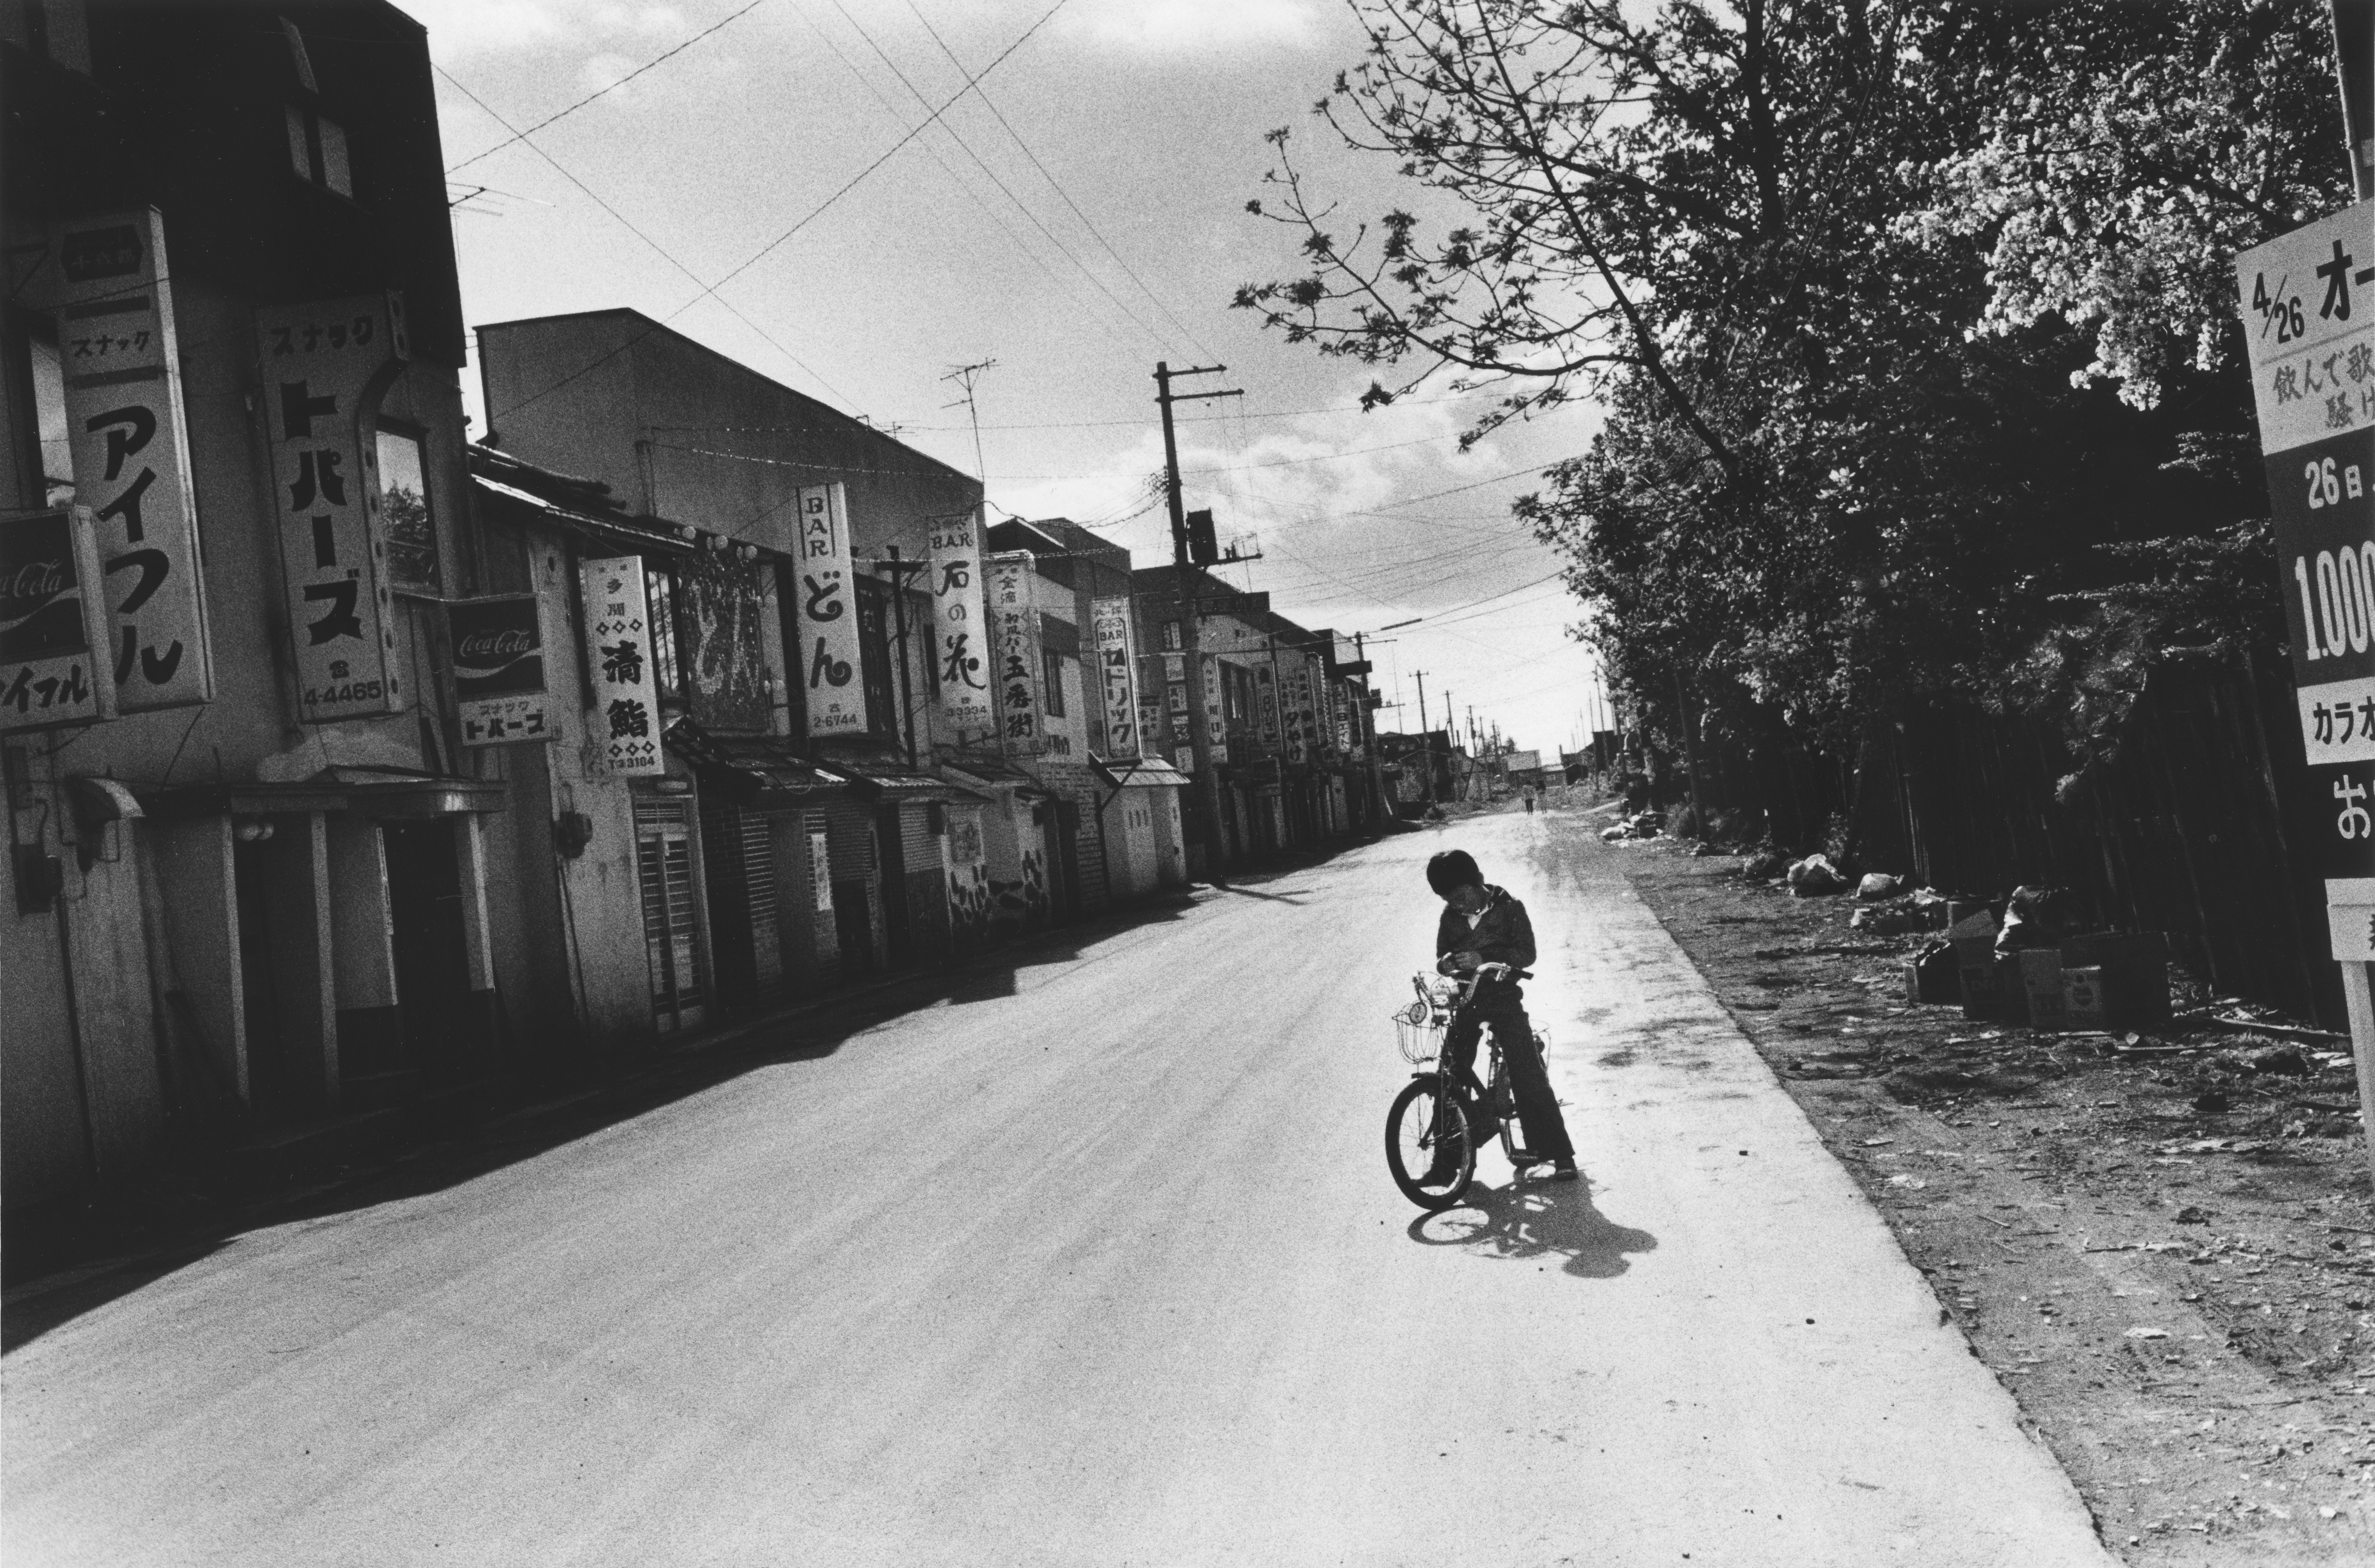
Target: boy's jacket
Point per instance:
(1503, 934)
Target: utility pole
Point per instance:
(1369, 726)
(964, 376)
(1191, 637)
(1425, 739)
(899, 569)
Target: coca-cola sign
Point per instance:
(51, 623)
(497, 646)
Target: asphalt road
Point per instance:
(1107, 1270)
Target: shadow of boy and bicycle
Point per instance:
(1534, 1220)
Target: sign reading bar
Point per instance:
(625, 700)
(2308, 303)
(1015, 615)
(129, 443)
(959, 642)
(1117, 662)
(53, 625)
(498, 652)
(324, 367)
(828, 656)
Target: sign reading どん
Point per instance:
(324, 367)
(959, 637)
(2308, 303)
(54, 626)
(626, 691)
(130, 448)
(497, 646)
(830, 655)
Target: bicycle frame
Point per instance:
(1493, 1096)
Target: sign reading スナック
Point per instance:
(828, 654)
(497, 646)
(958, 638)
(1014, 616)
(54, 624)
(1117, 665)
(324, 367)
(2308, 303)
(626, 691)
(130, 448)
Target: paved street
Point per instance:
(1107, 1270)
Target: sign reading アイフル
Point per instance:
(829, 651)
(960, 641)
(2308, 303)
(625, 699)
(324, 367)
(496, 645)
(54, 624)
(129, 444)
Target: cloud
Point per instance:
(1192, 27)
(459, 28)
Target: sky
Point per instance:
(1076, 217)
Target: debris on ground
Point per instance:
(1878, 885)
(1815, 877)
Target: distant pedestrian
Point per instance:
(1530, 799)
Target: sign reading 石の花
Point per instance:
(1117, 666)
(959, 640)
(54, 625)
(130, 448)
(829, 655)
(625, 700)
(498, 651)
(1014, 614)
(325, 366)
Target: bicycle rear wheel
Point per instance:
(1428, 1145)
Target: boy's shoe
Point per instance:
(1563, 1169)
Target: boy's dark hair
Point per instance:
(1452, 868)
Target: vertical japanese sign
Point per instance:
(1014, 616)
(819, 871)
(130, 446)
(2308, 303)
(497, 647)
(1117, 666)
(1152, 732)
(324, 367)
(626, 693)
(54, 624)
(1266, 704)
(830, 649)
(1294, 700)
(1216, 725)
(958, 635)
(1317, 733)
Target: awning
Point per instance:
(897, 781)
(498, 502)
(1137, 773)
(757, 773)
(987, 776)
(367, 792)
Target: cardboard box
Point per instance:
(1933, 977)
(2081, 997)
(2134, 967)
(1974, 938)
(2041, 983)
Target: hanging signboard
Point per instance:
(1216, 727)
(1266, 704)
(1117, 663)
(1015, 618)
(958, 639)
(819, 871)
(625, 697)
(53, 623)
(497, 647)
(1152, 730)
(830, 650)
(129, 439)
(2308, 303)
(324, 367)
(1316, 733)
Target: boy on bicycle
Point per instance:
(1484, 924)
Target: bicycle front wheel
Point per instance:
(1428, 1145)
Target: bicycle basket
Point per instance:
(1418, 1031)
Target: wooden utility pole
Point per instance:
(1425, 741)
(1369, 725)
(1191, 639)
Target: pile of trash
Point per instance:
(1640, 825)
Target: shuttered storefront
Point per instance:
(739, 856)
(671, 922)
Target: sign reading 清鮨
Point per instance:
(130, 446)
(325, 366)
(1118, 664)
(626, 693)
(959, 640)
(54, 625)
(830, 652)
(1014, 616)
(2308, 303)
(497, 646)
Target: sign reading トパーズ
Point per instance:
(130, 448)
(1117, 665)
(2308, 303)
(1014, 614)
(830, 650)
(959, 640)
(626, 693)
(54, 626)
(325, 366)
(499, 689)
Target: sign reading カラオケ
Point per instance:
(958, 638)
(2308, 303)
(626, 694)
(499, 687)
(325, 366)
(54, 625)
(828, 654)
(1118, 667)
(130, 449)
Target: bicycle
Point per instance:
(1431, 1115)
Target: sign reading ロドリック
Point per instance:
(2308, 303)
(499, 689)
(325, 366)
(829, 657)
(626, 696)
(959, 636)
(1117, 666)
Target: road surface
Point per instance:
(1106, 1270)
